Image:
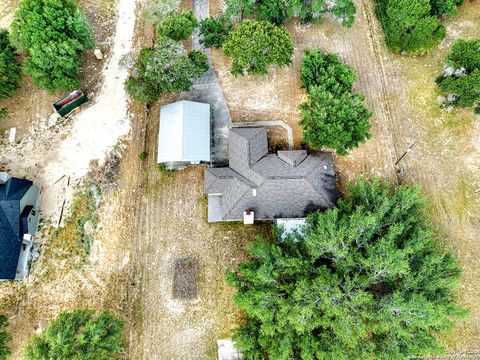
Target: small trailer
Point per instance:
(69, 103)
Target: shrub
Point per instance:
(178, 26)
(366, 280)
(165, 69)
(158, 10)
(461, 76)
(78, 335)
(409, 26)
(255, 45)
(278, 11)
(4, 338)
(54, 33)
(3, 114)
(215, 31)
(445, 7)
(332, 116)
(10, 73)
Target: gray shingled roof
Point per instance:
(11, 229)
(289, 184)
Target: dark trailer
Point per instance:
(70, 102)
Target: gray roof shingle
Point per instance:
(11, 234)
(289, 184)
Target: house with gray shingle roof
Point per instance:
(263, 186)
(19, 217)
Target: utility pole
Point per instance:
(405, 153)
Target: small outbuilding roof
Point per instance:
(184, 134)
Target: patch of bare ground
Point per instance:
(171, 224)
(401, 92)
(64, 277)
(31, 106)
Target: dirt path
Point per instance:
(65, 150)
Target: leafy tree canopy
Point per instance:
(54, 33)
(10, 73)
(326, 70)
(165, 69)
(255, 45)
(178, 26)
(332, 116)
(461, 77)
(366, 280)
(278, 11)
(4, 338)
(78, 335)
(409, 26)
(214, 31)
(338, 121)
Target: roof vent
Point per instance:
(248, 217)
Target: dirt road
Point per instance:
(65, 150)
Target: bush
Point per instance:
(54, 33)
(3, 114)
(255, 45)
(215, 31)
(142, 156)
(165, 69)
(409, 26)
(178, 26)
(461, 76)
(78, 335)
(332, 116)
(158, 10)
(366, 280)
(10, 73)
(445, 7)
(4, 338)
(278, 11)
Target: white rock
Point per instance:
(12, 135)
(98, 54)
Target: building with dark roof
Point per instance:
(19, 216)
(262, 186)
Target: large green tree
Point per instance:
(4, 338)
(53, 33)
(339, 121)
(78, 335)
(10, 73)
(255, 45)
(409, 25)
(166, 68)
(366, 280)
(332, 116)
(461, 77)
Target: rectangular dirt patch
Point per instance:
(185, 278)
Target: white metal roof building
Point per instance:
(184, 135)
